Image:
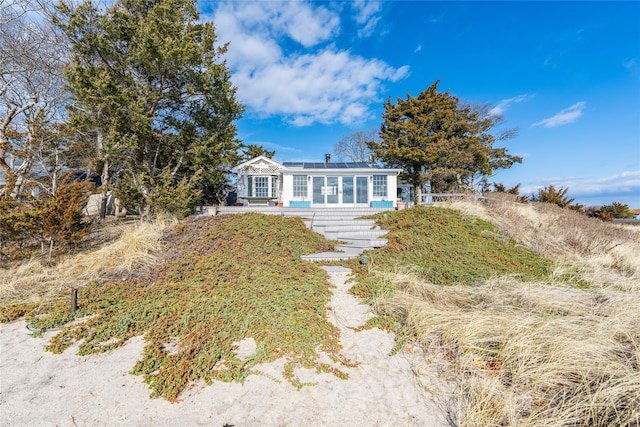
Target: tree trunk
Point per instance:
(417, 193)
(54, 175)
(19, 175)
(105, 187)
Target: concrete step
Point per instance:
(345, 235)
(338, 221)
(324, 229)
(343, 224)
(333, 214)
(361, 243)
(348, 253)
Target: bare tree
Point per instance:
(353, 147)
(33, 140)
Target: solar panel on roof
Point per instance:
(333, 165)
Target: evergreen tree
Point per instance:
(618, 210)
(153, 92)
(436, 140)
(550, 194)
(515, 190)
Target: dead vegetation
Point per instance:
(607, 252)
(564, 351)
(34, 281)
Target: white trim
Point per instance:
(263, 166)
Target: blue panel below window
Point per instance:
(299, 204)
(381, 204)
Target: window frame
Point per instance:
(300, 188)
(262, 186)
(380, 186)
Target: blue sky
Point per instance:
(565, 74)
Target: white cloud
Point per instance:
(277, 147)
(627, 182)
(305, 24)
(368, 29)
(502, 106)
(365, 9)
(417, 49)
(325, 87)
(624, 182)
(566, 116)
(305, 86)
(302, 22)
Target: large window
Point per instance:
(332, 189)
(318, 189)
(362, 189)
(300, 186)
(347, 189)
(379, 185)
(262, 186)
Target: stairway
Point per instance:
(343, 224)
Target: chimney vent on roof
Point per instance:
(327, 158)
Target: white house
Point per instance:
(328, 184)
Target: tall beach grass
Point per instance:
(558, 351)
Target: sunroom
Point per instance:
(262, 181)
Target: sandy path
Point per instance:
(38, 388)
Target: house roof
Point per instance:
(334, 165)
(260, 164)
(263, 164)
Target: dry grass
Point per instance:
(562, 352)
(36, 282)
(528, 354)
(607, 253)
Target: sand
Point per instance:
(38, 388)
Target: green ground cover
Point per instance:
(444, 247)
(222, 279)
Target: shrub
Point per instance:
(515, 190)
(177, 199)
(598, 212)
(20, 228)
(617, 210)
(550, 194)
(63, 220)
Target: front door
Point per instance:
(325, 190)
(362, 189)
(347, 190)
(331, 190)
(318, 190)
